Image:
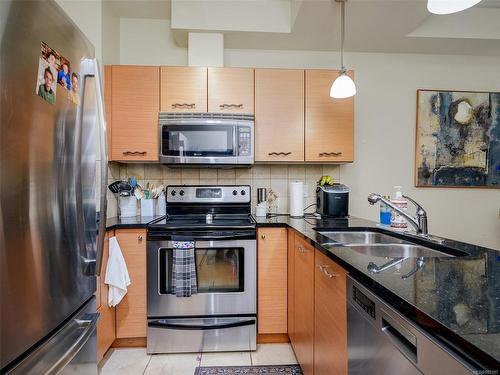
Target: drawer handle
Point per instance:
(184, 105)
(279, 153)
(302, 250)
(142, 153)
(228, 106)
(139, 238)
(330, 154)
(323, 268)
(263, 236)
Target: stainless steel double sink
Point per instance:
(380, 245)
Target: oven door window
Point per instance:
(218, 270)
(198, 140)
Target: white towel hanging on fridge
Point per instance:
(117, 277)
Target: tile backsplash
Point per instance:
(274, 177)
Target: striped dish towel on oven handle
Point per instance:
(184, 282)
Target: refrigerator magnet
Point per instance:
(47, 73)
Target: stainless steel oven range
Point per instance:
(222, 315)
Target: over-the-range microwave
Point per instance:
(206, 139)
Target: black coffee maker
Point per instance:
(332, 201)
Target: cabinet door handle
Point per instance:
(139, 237)
(323, 268)
(263, 236)
(302, 250)
(228, 106)
(279, 153)
(330, 154)
(134, 153)
(184, 105)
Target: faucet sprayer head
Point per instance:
(373, 198)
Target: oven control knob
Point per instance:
(173, 193)
(181, 193)
(243, 192)
(235, 192)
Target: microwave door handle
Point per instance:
(236, 142)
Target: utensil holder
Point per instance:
(148, 207)
(128, 206)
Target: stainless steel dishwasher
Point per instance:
(383, 342)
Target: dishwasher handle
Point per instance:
(402, 338)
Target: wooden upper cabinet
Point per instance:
(135, 103)
(330, 317)
(272, 280)
(131, 318)
(279, 115)
(329, 123)
(231, 90)
(183, 89)
(303, 342)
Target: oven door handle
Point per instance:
(197, 237)
(170, 324)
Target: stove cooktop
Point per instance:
(200, 222)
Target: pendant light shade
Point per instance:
(343, 86)
(449, 6)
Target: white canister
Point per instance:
(128, 206)
(296, 196)
(147, 207)
(161, 205)
(261, 209)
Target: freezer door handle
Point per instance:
(59, 351)
(88, 324)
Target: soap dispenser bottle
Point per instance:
(397, 220)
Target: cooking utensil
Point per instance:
(114, 187)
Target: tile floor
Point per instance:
(131, 361)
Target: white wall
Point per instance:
(110, 35)
(87, 14)
(385, 120)
(149, 42)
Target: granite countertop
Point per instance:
(455, 299)
(130, 222)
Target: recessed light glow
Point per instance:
(449, 6)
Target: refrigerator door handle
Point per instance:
(91, 69)
(103, 145)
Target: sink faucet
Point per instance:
(420, 222)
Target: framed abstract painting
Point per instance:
(458, 139)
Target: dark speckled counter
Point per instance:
(130, 222)
(433, 297)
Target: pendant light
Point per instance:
(343, 86)
(449, 6)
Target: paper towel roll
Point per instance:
(296, 195)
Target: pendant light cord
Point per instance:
(342, 22)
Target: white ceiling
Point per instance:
(371, 26)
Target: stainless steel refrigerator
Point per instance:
(51, 243)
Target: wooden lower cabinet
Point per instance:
(272, 280)
(330, 317)
(303, 275)
(131, 318)
(291, 284)
(106, 332)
